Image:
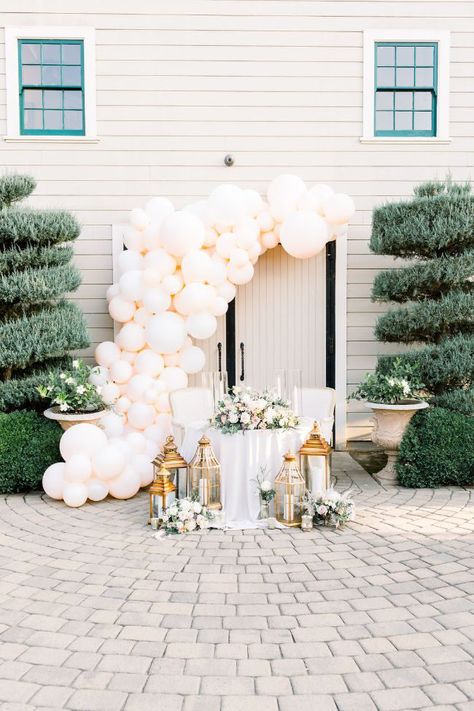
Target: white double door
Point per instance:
(280, 323)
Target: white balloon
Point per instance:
(225, 244)
(174, 378)
(315, 198)
(163, 403)
(137, 387)
(129, 259)
(83, 438)
(210, 237)
(240, 275)
(269, 240)
(96, 490)
(75, 494)
(109, 393)
(112, 291)
(128, 356)
(303, 234)
(140, 415)
(142, 316)
(149, 363)
(136, 442)
(265, 220)
(203, 210)
(131, 285)
(99, 375)
(151, 236)
(162, 263)
(108, 462)
(194, 297)
(201, 325)
(144, 467)
(133, 239)
(284, 188)
(181, 232)
(253, 202)
(219, 306)
(254, 251)
(131, 337)
(227, 290)
(228, 203)
(121, 371)
(166, 333)
(126, 485)
(157, 208)
(156, 300)
(193, 359)
(239, 257)
(122, 404)
(217, 271)
(138, 218)
(172, 359)
(112, 424)
(339, 209)
(121, 310)
(107, 353)
(195, 266)
(53, 480)
(78, 468)
(173, 283)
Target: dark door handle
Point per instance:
(242, 361)
(219, 357)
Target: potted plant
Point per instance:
(394, 397)
(74, 397)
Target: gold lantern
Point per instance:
(204, 475)
(162, 493)
(316, 450)
(172, 460)
(290, 489)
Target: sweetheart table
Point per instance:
(241, 456)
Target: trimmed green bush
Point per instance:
(38, 328)
(29, 443)
(437, 450)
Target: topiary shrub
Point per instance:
(38, 327)
(437, 449)
(29, 443)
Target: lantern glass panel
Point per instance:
(290, 490)
(204, 476)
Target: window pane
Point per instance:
(423, 100)
(405, 56)
(51, 54)
(385, 56)
(73, 120)
(32, 99)
(33, 119)
(404, 77)
(424, 77)
(425, 56)
(53, 120)
(384, 121)
(384, 100)
(385, 77)
(71, 53)
(73, 99)
(71, 76)
(51, 75)
(52, 99)
(31, 75)
(30, 53)
(423, 121)
(403, 121)
(404, 100)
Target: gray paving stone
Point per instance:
(96, 700)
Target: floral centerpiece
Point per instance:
(266, 493)
(400, 385)
(247, 409)
(329, 508)
(72, 390)
(184, 516)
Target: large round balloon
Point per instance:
(159, 262)
(75, 494)
(193, 358)
(194, 297)
(201, 325)
(196, 266)
(228, 203)
(107, 353)
(108, 462)
(149, 363)
(339, 209)
(181, 232)
(174, 378)
(304, 234)
(83, 438)
(126, 485)
(53, 480)
(166, 333)
(78, 468)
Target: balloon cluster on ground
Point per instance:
(178, 274)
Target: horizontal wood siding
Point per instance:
(276, 83)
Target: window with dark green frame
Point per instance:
(406, 75)
(51, 81)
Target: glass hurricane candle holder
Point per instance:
(172, 460)
(204, 475)
(162, 493)
(290, 489)
(315, 459)
(306, 522)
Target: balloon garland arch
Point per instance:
(178, 274)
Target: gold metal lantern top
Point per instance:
(204, 475)
(316, 446)
(162, 493)
(177, 466)
(289, 492)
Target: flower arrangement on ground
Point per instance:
(399, 385)
(247, 409)
(74, 390)
(329, 508)
(184, 516)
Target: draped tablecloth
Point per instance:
(241, 456)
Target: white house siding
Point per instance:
(278, 84)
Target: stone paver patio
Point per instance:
(96, 614)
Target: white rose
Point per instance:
(197, 508)
(182, 515)
(233, 418)
(190, 525)
(185, 504)
(245, 418)
(173, 510)
(266, 486)
(179, 526)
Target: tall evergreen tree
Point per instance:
(38, 327)
(436, 229)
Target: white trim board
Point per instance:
(442, 105)
(12, 35)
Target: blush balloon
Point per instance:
(156, 300)
(182, 232)
(195, 266)
(303, 234)
(53, 480)
(201, 325)
(97, 490)
(174, 378)
(339, 209)
(83, 438)
(107, 353)
(129, 259)
(172, 283)
(166, 333)
(149, 363)
(121, 371)
(131, 337)
(75, 494)
(162, 263)
(78, 468)
(126, 485)
(110, 392)
(240, 275)
(108, 462)
(131, 285)
(140, 415)
(193, 359)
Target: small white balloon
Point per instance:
(181, 232)
(157, 208)
(225, 244)
(122, 404)
(239, 257)
(99, 375)
(108, 462)
(133, 239)
(149, 363)
(78, 468)
(172, 283)
(131, 285)
(151, 236)
(121, 371)
(227, 290)
(240, 275)
(140, 415)
(210, 237)
(218, 271)
(112, 291)
(75, 494)
(269, 240)
(228, 203)
(166, 333)
(110, 392)
(195, 266)
(163, 403)
(194, 297)
(136, 442)
(107, 353)
(201, 325)
(131, 337)
(219, 306)
(143, 465)
(203, 210)
(253, 202)
(126, 485)
(128, 356)
(162, 263)
(83, 438)
(265, 221)
(129, 259)
(156, 300)
(303, 234)
(339, 209)
(315, 198)
(142, 316)
(97, 490)
(121, 310)
(138, 218)
(285, 188)
(53, 480)
(137, 386)
(112, 424)
(174, 378)
(172, 359)
(193, 359)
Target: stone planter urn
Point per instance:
(390, 423)
(69, 419)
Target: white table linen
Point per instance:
(241, 456)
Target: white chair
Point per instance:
(190, 406)
(319, 404)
